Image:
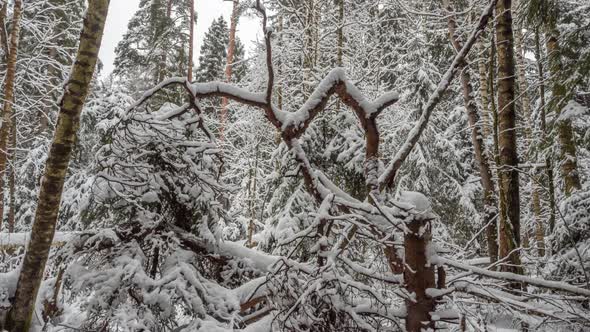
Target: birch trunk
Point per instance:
(8, 112)
(76, 90)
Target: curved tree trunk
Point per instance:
(510, 205)
(8, 112)
(76, 90)
(481, 157)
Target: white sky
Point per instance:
(120, 12)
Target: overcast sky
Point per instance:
(120, 11)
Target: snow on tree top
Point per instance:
(417, 200)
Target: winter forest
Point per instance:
(363, 165)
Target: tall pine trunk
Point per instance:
(76, 90)
(481, 157)
(190, 41)
(8, 112)
(509, 187)
(231, 47)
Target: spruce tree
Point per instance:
(213, 56)
(213, 52)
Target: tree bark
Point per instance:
(481, 157)
(510, 205)
(8, 112)
(76, 90)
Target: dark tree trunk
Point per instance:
(510, 204)
(418, 277)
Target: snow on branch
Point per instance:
(507, 276)
(337, 83)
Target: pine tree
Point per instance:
(213, 52)
(155, 45)
(213, 57)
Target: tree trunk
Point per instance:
(8, 112)
(76, 90)
(190, 41)
(510, 205)
(418, 277)
(567, 156)
(481, 157)
(230, 60)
